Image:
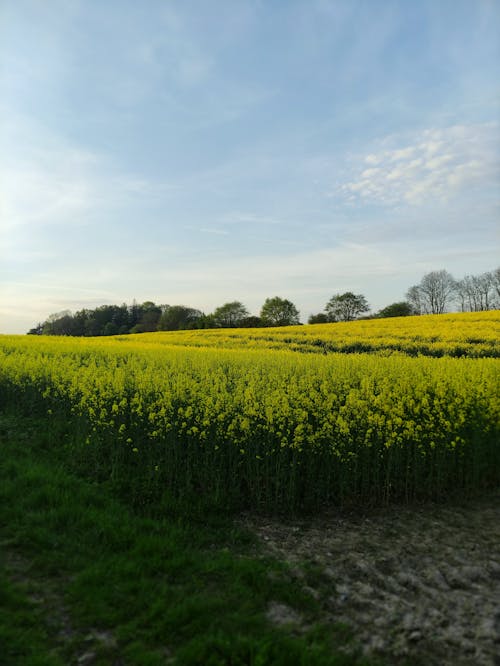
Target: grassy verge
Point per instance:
(85, 579)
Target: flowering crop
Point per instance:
(260, 425)
(471, 334)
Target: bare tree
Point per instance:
(477, 292)
(495, 287)
(414, 298)
(465, 293)
(432, 295)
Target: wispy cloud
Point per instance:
(214, 231)
(34, 194)
(47, 181)
(433, 166)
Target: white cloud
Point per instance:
(438, 164)
(402, 154)
(369, 173)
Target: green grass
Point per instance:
(23, 637)
(84, 574)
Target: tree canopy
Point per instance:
(178, 317)
(230, 314)
(399, 309)
(346, 307)
(320, 318)
(279, 312)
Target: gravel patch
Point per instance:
(415, 584)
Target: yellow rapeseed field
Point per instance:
(473, 334)
(240, 417)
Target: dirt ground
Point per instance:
(416, 584)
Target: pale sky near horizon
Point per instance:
(203, 152)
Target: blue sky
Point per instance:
(202, 152)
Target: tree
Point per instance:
(414, 298)
(92, 327)
(346, 307)
(320, 318)
(476, 292)
(495, 277)
(466, 293)
(279, 312)
(230, 315)
(178, 317)
(36, 330)
(400, 309)
(58, 323)
(205, 321)
(432, 295)
(110, 328)
(79, 320)
(251, 322)
(150, 316)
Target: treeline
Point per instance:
(439, 289)
(435, 294)
(149, 317)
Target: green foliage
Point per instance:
(320, 318)
(346, 307)
(279, 312)
(110, 328)
(251, 322)
(230, 314)
(105, 320)
(400, 309)
(178, 317)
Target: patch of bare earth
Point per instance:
(415, 584)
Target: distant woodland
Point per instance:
(438, 292)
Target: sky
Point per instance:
(192, 152)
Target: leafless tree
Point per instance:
(433, 294)
(414, 298)
(476, 293)
(495, 278)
